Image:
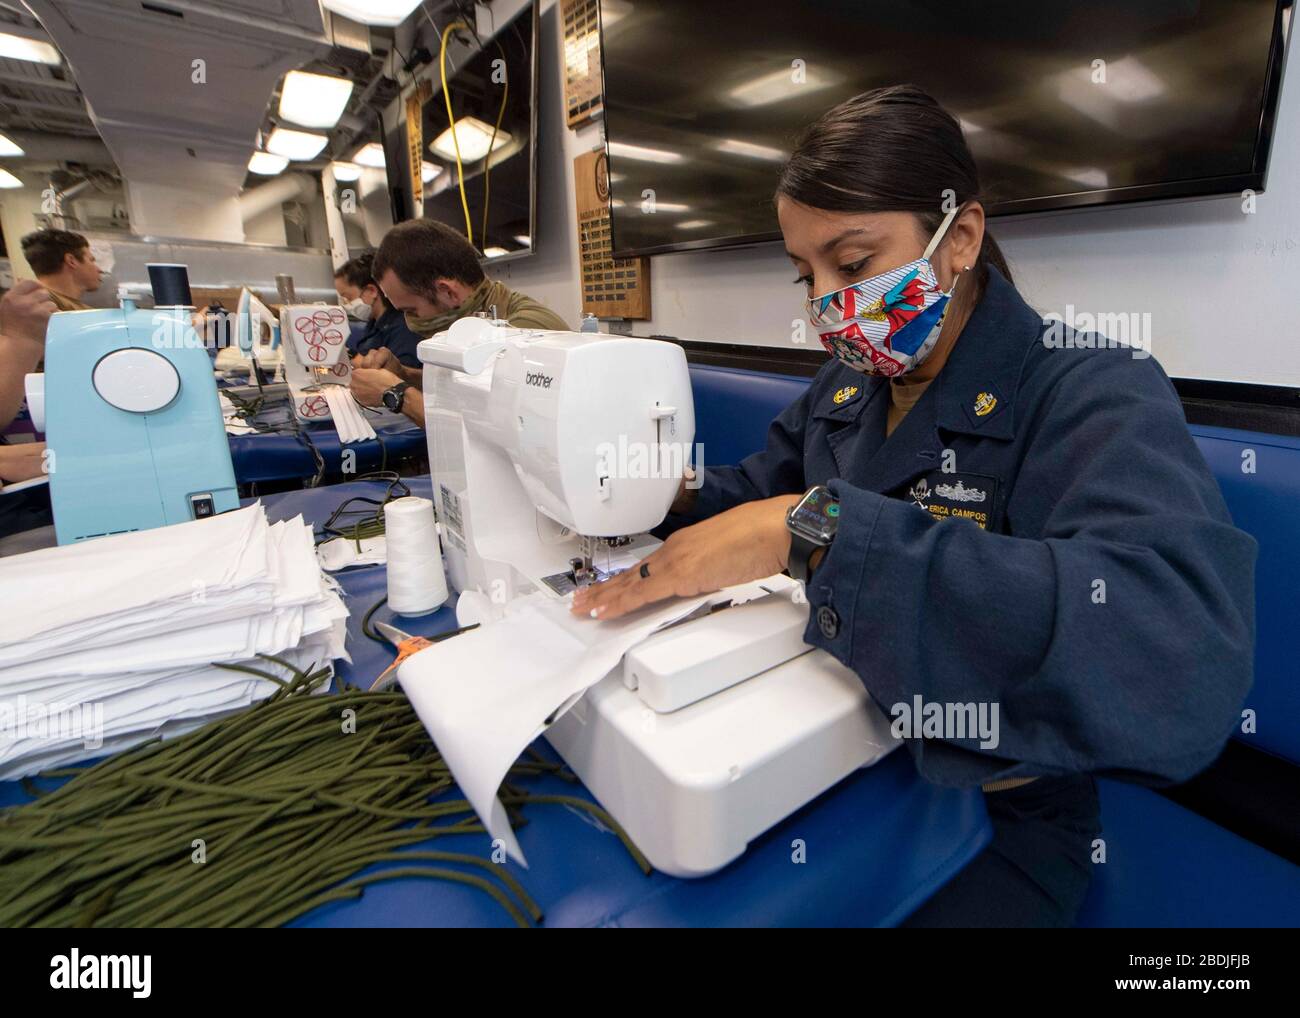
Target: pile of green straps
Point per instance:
(256, 818)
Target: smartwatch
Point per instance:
(393, 397)
(811, 522)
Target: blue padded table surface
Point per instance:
(281, 457)
(875, 846)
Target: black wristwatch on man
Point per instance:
(394, 396)
(811, 522)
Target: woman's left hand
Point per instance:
(745, 543)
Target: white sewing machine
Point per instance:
(523, 482)
(552, 455)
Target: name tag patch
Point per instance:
(955, 496)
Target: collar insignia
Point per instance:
(985, 404)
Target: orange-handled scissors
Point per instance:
(406, 645)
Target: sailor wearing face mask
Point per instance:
(365, 302)
(983, 514)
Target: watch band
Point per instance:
(808, 535)
(801, 550)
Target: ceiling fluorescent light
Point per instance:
(295, 144)
(17, 47)
(386, 13)
(314, 100)
(371, 155)
(267, 164)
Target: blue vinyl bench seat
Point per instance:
(1168, 867)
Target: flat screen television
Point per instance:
(493, 104)
(1066, 104)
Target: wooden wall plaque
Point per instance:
(583, 85)
(611, 287)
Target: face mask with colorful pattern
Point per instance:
(886, 324)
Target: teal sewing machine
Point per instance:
(131, 419)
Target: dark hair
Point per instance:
(421, 251)
(45, 249)
(888, 150)
(360, 272)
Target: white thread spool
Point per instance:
(417, 584)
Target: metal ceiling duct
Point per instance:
(287, 187)
(178, 89)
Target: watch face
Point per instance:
(393, 399)
(816, 516)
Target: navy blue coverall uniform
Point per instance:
(1040, 532)
(390, 330)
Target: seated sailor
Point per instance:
(431, 273)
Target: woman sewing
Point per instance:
(979, 512)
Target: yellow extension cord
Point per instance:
(455, 139)
(451, 121)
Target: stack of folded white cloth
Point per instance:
(110, 642)
(348, 422)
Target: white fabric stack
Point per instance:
(348, 421)
(109, 642)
